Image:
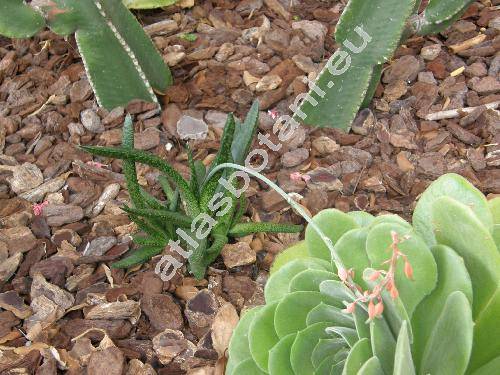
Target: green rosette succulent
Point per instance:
(377, 295)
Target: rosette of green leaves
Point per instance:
(185, 200)
(444, 321)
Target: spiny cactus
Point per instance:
(188, 201)
(120, 59)
(369, 33)
(397, 299)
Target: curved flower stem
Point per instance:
(298, 208)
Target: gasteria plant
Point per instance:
(189, 204)
(381, 296)
(369, 33)
(120, 59)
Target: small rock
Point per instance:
(364, 122)
(162, 312)
(11, 301)
(203, 54)
(476, 69)
(18, 239)
(128, 309)
(216, 119)
(225, 51)
(325, 179)
(305, 63)
(494, 23)
(40, 287)
(222, 328)
(476, 159)
(109, 361)
(114, 117)
(314, 30)
(9, 266)
(486, 86)
(80, 91)
(272, 201)
(325, 145)
(431, 52)
(268, 82)
(427, 77)
(200, 312)
(246, 7)
(148, 139)
(24, 177)
(295, 157)
(464, 27)
(463, 135)
(171, 344)
(238, 254)
(191, 128)
(60, 214)
(405, 68)
(250, 80)
(99, 246)
(136, 367)
(91, 121)
(174, 58)
(395, 90)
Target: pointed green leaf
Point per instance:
(310, 280)
(138, 256)
(489, 368)
(325, 348)
(244, 134)
(383, 344)
(244, 229)
(248, 367)
(148, 4)
(297, 251)
(351, 249)
(330, 314)
(177, 218)
(371, 367)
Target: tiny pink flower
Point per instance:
(350, 308)
(38, 208)
(273, 113)
(96, 164)
(408, 270)
(379, 309)
(296, 176)
(371, 310)
(343, 274)
(374, 276)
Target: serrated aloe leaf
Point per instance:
(278, 284)
(193, 180)
(223, 156)
(248, 367)
(418, 254)
(279, 356)
(456, 226)
(403, 361)
(372, 87)
(177, 218)
(362, 218)
(326, 347)
(359, 354)
(303, 346)
(154, 161)
(452, 276)
(262, 336)
(243, 229)
(351, 249)
(291, 312)
(244, 134)
(128, 168)
(489, 368)
(19, 20)
(139, 256)
(152, 64)
(148, 4)
(309, 280)
(486, 326)
(453, 186)
(448, 349)
(239, 349)
(383, 343)
(438, 11)
(331, 314)
(297, 251)
(369, 35)
(334, 224)
(371, 367)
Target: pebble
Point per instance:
(162, 311)
(100, 245)
(200, 312)
(268, 82)
(314, 30)
(216, 118)
(295, 157)
(325, 179)
(485, 86)
(24, 177)
(191, 128)
(224, 52)
(238, 254)
(60, 214)
(427, 77)
(91, 121)
(431, 52)
(477, 69)
(80, 91)
(148, 139)
(405, 68)
(364, 122)
(325, 146)
(305, 64)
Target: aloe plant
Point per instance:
(120, 59)
(148, 4)
(377, 295)
(369, 33)
(189, 202)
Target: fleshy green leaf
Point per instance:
(403, 361)
(359, 354)
(303, 346)
(383, 344)
(453, 186)
(362, 218)
(262, 336)
(297, 251)
(334, 224)
(177, 218)
(448, 349)
(19, 20)
(325, 348)
(138, 256)
(248, 367)
(309, 280)
(279, 356)
(371, 367)
(330, 314)
(244, 134)
(351, 249)
(148, 4)
(243, 229)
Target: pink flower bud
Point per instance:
(350, 308)
(394, 292)
(343, 274)
(371, 310)
(379, 308)
(408, 270)
(374, 276)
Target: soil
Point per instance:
(63, 309)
